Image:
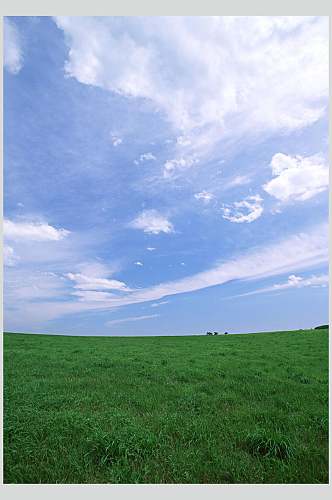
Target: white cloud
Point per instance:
(151, 221)
(132, 318)
(211, 76)
(296, 253)
(95, 283)
(157, 304)
(239, 180)
(12, 55)
(292, 282)
(116, 141)
(151, 249)
(183, 141)
(32, 231)
(205, 196)
(23, 286)
(247, 210)
(297, 178)
(171, 167)
(92, 296)
(138, 263)
(9, 257)
(147, 157)
(299, 282)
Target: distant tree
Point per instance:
(321, 327)
(215, 333)
(209, 333)
(226, 333)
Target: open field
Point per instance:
(226, 409)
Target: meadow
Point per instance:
(196, 409)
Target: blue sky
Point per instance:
(165, 175)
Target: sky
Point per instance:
(165, 175)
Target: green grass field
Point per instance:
(226, 409)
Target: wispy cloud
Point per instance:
(9, 257)
(298, 252)
(91, 282)
(292, 282)
(157, 304)
(92, 296)
(12, 55)
(238, 180)
(132, 318)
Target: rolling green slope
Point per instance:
(221, 409)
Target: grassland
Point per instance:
(227, 409)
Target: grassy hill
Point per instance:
(221, 409)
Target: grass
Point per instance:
(273, 445)
(220, 409)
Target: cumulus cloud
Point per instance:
(151, 221)
(138, 263)
(151, 249)
(210, 75)
(12, 55)
(247, 210)
(293, 282)
(32, 231)
(297, 178)
(205, 196)
(132, 318)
